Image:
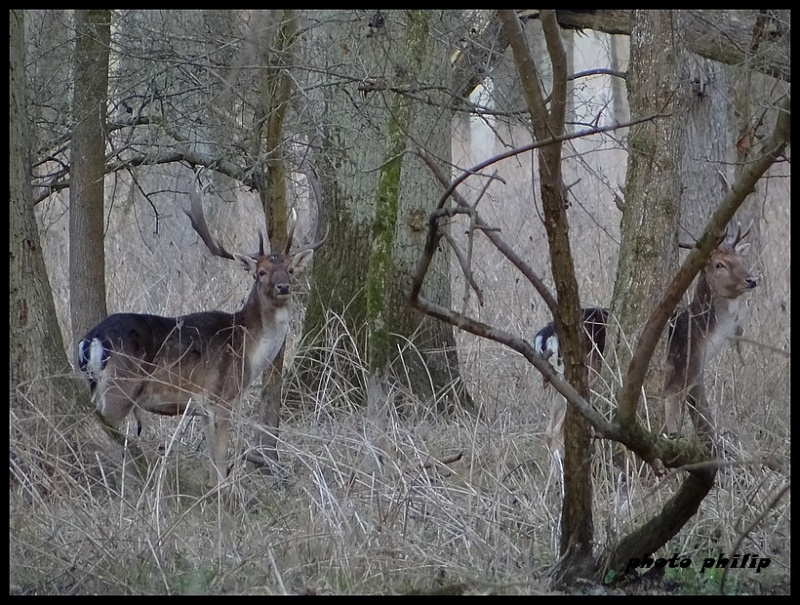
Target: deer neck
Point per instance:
(265, 323)
(714, 318)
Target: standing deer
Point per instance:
(696, 335)
(594, 343)
(136, 361)
(700, 332)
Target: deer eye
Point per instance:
(262, 273)
(291, 270)
(720, 265)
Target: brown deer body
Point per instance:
(546, 343)
(700, 332)
(147, 362)
(696, 335)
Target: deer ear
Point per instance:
(742, 248)
(300, 260)
(248, 263)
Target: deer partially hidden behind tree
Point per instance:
(136, 361)
(697, 335)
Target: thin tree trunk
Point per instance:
(87, 169)
(375, 194)
(547, 120)
(46, 402)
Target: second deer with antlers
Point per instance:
(137, 362)
(696, 335)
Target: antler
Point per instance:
(198, 220)
(322, 241)
(290, 228)
(739, 236)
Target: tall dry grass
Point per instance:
(366, 506)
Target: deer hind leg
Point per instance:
(554, 436)
(699, 410)
(114, 399)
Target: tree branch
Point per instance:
(724, 36)
(720, 35)
(248, 175)
(630, 392)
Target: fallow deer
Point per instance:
(700, 332)
(136, 361)
(546, 343)
(696, 335)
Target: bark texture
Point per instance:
(87, 169)
(376, 197)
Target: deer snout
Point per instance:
(751, 283)
(282, 290)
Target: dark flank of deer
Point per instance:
(697, 335)
(135, 361)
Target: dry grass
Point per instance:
(337, 520)
(361, 506)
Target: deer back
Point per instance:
(593, 338)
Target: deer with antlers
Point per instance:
(701, 331)
(696, 336)
(136, 361)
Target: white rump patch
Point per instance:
(91, 361)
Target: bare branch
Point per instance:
(778, 494)
(528, 74)
(720, 35)
(248, 175)
(504, 248)
(558, 60)
(468, 276)
(640, 361)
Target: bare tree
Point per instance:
(35, 340)
(625, 428)
(46, 401)
(376, 194)
(87, 168)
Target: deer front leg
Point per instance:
(673, 412)
(218, 436)
(554, 435)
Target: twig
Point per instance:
(761, 345)
(432, 462)
(750, 528)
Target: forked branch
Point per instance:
(640, 361)
(648, 446)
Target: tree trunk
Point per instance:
(657, 82)
(277, 44)
(46, 402)
(87, 170)
(35, 346)
(706, 158)
(376, 197)
(547, 120)
(648, 250)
